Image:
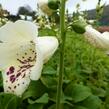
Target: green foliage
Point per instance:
(9, 101)
(86, 80)
(78, 92)
(43, 99)
(92, 102)
(35, 90)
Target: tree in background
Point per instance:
(3, 15)
(26, 11)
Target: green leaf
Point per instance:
(80, 107)
(99, 92)
(49, 82)
(52, 106)
(35, 89)
(35, 106)
(92, 102)
(9, 101)
(64, 106)
(43, 99)
(78, 92)
(48, 70)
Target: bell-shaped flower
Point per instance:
(22, 55)
(48, 6)
(100, 40)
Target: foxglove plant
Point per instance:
(22, 55)
(47, 6)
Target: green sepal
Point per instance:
(53, 4)
(79, 26)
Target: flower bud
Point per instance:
(79, 26)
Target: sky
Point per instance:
(13, 5)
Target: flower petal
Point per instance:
(6, 33)
(20, 30)
(37, 68)
(26, 29)
(95, 38)
(19, 59)
(17, 64)
(48, 46)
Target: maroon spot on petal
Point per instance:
(24, 70)
(11, 69)
(29, 59)
(9, 88)
(12, 78)
(8, 73)
(14, 87)
(18, 75)
(23, 76)
(22, 62)
(31, 42)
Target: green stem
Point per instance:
(62, 49)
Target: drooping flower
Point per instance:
(22, 55)
(100, 40)
(48, 6)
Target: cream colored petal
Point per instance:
(26, 29)
(37, 68)
(20, 30)
(95, 38)
(105, 35)
(48, 46)
(17, 64)
(6, 33)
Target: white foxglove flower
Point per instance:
(22, 55)
(100, 40)
(48, 6)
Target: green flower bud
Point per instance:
(53, 4)
(79, 26)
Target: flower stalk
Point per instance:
(62, 50)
